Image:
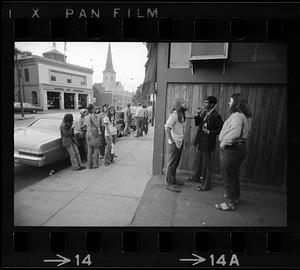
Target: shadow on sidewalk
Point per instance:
(161, 207)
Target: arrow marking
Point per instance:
(62, 261)
(196, 260)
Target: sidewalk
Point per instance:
(161, 207)
(125, 194)
(107, 196)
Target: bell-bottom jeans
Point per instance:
(231, 159)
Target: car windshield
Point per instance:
(47, 124)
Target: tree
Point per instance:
(139, 96)
(20, 53)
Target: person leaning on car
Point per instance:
(69, 141)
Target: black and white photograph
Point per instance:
(150, 134)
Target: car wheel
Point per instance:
(34, 111)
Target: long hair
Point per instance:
(178, 108)
(68, 118)
(109, 114)
(240, 105)
(90, 108)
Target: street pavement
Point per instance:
(107, 196)
(259, 206)
(126, 194)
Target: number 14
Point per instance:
(86, 260)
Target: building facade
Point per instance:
(256, 70)
(111, 91)
(51, 83)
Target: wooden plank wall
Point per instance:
(266, 161)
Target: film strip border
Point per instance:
(141, 247)
(163, 29)
(150, 246)
(153, 22)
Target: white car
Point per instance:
(39, 143)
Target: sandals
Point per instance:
(225, 206)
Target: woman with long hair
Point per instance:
(69, 141)
(175, 132)
(233, 149)
(92, 137)
(102, 114)
(110, 135)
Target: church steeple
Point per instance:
(109, 75)
(109, 65)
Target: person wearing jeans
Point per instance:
(102, 114)
(139, 117)
(233, 150)
(92, 137)
(175, 132)
(210, 124)
(69, 142)
(127, 120)
(110, 135)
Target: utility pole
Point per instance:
(20, 90)
(22, 81)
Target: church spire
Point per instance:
(109, 65)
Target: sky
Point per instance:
(128, 58)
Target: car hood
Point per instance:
(31, 139)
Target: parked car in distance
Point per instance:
(27, 107)
(39, 143)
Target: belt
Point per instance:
(240, 142)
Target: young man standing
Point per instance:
(139, 117)
(175, 132)
(210, 124)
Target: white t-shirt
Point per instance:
(177, 128)
(111, 126)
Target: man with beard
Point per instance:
(210, 124)
(174, 127)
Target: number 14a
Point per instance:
(222, 261)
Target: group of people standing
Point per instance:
(95, 139)
(97, 133)
(232, 133)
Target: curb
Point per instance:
(25, 118)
